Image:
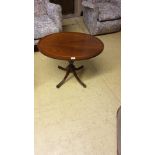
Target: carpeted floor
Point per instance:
(74, 120)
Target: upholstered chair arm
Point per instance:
(90, 16)
(88, 4)
(54, 12)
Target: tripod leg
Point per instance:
(79, 79)
(62, 82)
(79, 68)
(64, 69)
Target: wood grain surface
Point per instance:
(70, 45)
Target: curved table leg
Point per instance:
(70, 69)
(62, 82)
(79, 79)
(62, 68)
(79, 68)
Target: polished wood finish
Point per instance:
(70, 45)
(70, 69)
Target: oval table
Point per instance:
(70, 46)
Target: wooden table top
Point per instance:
(70, 46)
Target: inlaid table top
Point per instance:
(70, 46)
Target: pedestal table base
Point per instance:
(70, 69)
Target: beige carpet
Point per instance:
(74, 120)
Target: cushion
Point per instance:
(43, 26)
(108, 11)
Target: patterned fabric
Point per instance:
(54, 9)
(102, 16)
(96, 1)
(108, 26)
(116, 2)
(44, 25)
(39, 8)
(108, 11)
(88, 4)
(47, 19)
